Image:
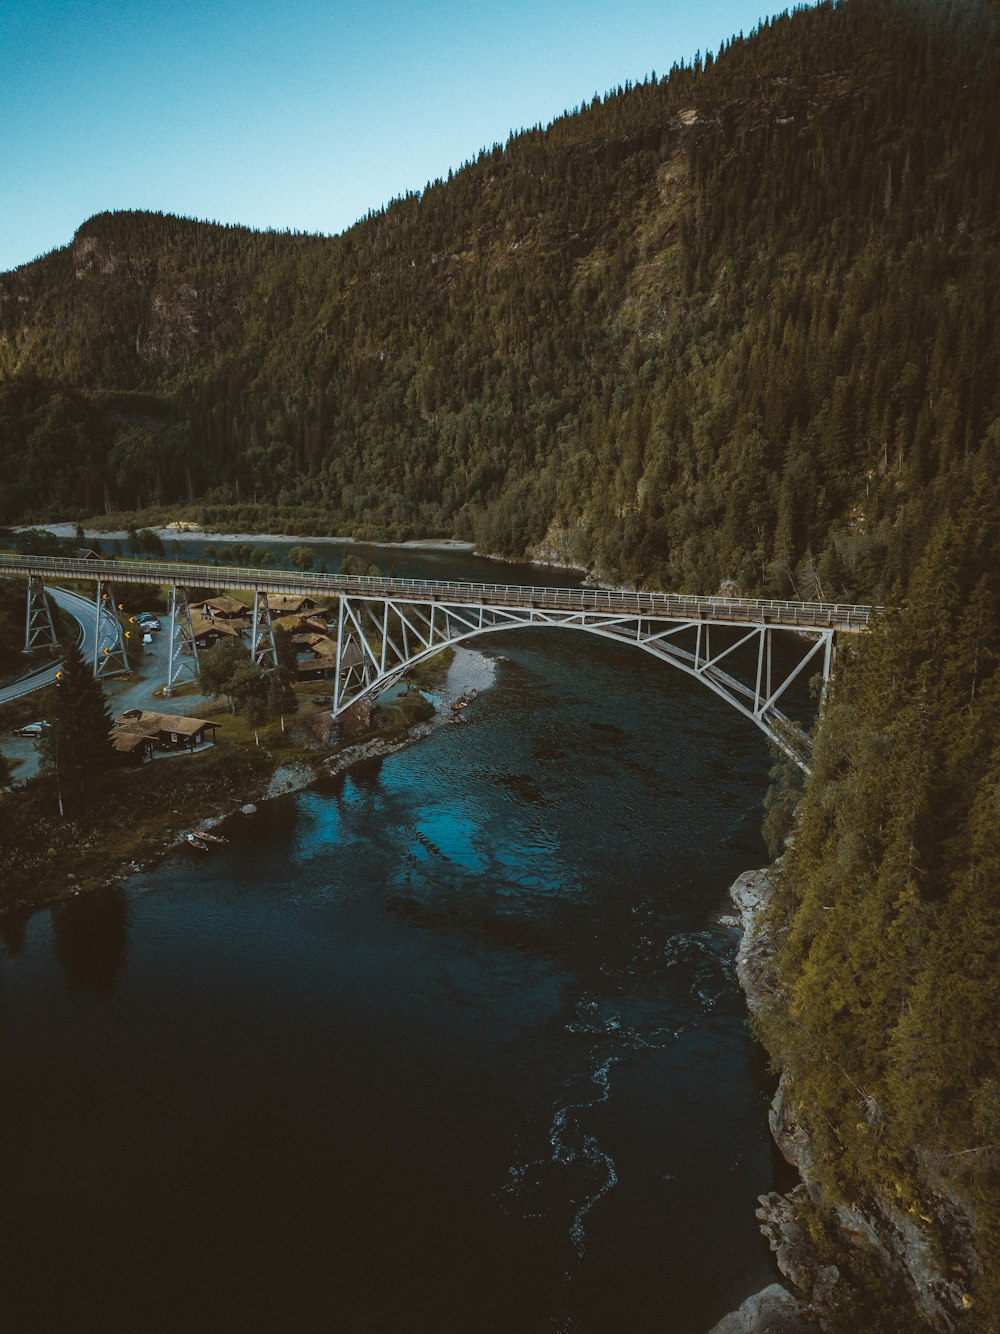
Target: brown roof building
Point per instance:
(226, 609)
(208, 632)
(291, 604)
(325, 664)
(301, 625)
(165, 732)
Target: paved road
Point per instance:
(82, 609)
(120, 693)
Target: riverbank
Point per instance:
(775, 1309)
(129, 826)
(197, 534)
(850, 1264)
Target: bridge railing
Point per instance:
(843, 616)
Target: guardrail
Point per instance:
(671, 606)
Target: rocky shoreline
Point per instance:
(286, 779)
(290, 778)
(934, 1284)
(775, 1309)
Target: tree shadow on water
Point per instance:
(90, 941)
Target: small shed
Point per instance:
(133, 747)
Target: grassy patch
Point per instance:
(128, 814)
(430, 673)
(186, 688)
(25, 710)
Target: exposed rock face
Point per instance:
(936, 1283)
(561, 545)
(771, 1311)
(751, 894)
(781, 1224)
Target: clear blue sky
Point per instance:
(303, 114)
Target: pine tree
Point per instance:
(78, 742)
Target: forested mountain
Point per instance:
(733, 324)
(736, 326)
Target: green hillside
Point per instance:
(734, 324)
(736, 327)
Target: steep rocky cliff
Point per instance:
(846, 1260)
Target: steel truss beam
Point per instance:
(183, 660)
(381, 638)
(39, 629)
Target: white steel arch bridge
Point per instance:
(387, 626)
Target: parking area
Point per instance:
(122, 694)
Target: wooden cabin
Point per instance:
(165, 732)
(292, 604)
(207, 632)
(220, 609)
(132, 747)
(301, 625)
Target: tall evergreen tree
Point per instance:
(78, 741)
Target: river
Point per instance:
(453, 1043)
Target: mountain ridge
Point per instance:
(535, 344)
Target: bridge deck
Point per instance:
(668, 606)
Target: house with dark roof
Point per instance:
(292, 604)
(208, 632)
(142, 734)
(220, 608)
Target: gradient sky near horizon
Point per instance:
(302, 115)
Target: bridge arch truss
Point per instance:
(380, 638)
(385, 626)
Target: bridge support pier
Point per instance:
(182, 664)
(109, 659)
(39, 628)
(263, 650)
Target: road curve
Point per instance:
(82, 611)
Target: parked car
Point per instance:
(31, 729)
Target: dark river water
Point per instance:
(453, 1044)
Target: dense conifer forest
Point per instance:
(733, 327)
(729, 325)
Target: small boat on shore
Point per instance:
(206, 837)
(195, 842)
